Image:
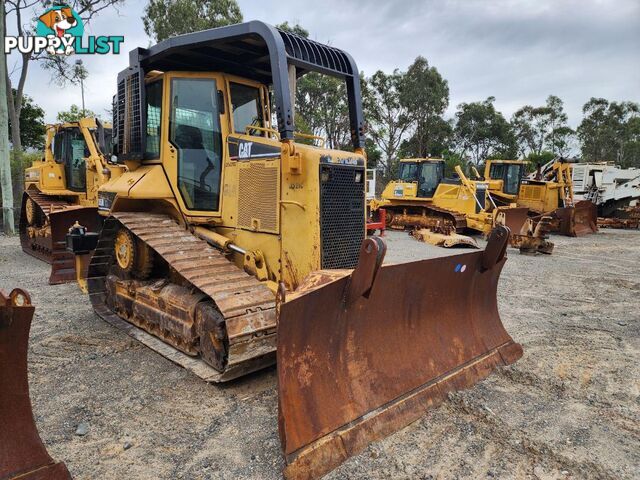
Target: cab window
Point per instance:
(195, 131)
(74, 152)
(512, 180)
(510, 174)
(431, 174)
(153, 97)
(408, 171)
(246, 107)
(58, 141)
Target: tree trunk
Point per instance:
(5, 164)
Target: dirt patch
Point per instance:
(569, 408)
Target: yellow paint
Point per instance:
(282, 242)
(48, 176)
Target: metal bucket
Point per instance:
(22, 454)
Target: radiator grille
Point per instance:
(341, 215)
(258, 197)
(531, 192)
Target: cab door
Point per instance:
(193, 147)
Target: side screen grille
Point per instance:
(258, 197)
(341, 215)
(128, 118)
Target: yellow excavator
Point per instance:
(62, 188)
(227, 245)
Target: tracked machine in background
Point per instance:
(227, 244)
(549, 192)
(62, 189)
(22, 454)
(440, 209)
(614, 190)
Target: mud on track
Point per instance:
(570, 408)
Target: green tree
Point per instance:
(320, 103)
(32, 121)
(441, 140)
(482, 132)
(167, 18)
(425, 95)
(74, 114)
(297, 29)
(387, 118)
(611, 132)
(542, 128)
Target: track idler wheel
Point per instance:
(133, 256)
(30, 211)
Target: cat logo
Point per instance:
(244, 150)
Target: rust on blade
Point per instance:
(353, 369)
(22, 454)
(44, 235)
(513, 217)
(578, 220)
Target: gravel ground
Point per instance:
(570, 408)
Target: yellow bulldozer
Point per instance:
(549, 191)
(62, 188)
(440, 208)
(227, 245)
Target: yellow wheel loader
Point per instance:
(22, 454)
(62, 189)
(227, 244)
(549, 191)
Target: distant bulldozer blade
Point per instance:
(363, 354)
(450, 240)
(578, 220)
(22, 454)
(513, 217)
(533, 237)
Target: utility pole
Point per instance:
(5, 163)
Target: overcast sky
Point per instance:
(517, 51)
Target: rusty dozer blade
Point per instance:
(22, 454)
(438, 239)
(533, 238)
(362, 354)
(578, 220)
(45, 237)
(513, 217)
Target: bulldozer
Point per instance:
(409, 200)
(228, 245)
(61, 189)
(549, 192)
(22, 453)
(440, 208)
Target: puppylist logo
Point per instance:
(60, 31)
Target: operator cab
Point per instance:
(511, 175)
(426, 173)
(199, 126)
(70, 149)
